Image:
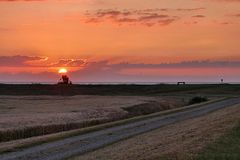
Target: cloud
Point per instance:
(190, 9)
(69, 63)
(104, 71)
(225, 23)
(36, 61)
(19, 60)
(198, 16)
(235, 15)
(147, 17)
(184, 64)
(103, 67)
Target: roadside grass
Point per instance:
(28, 142)
(225, 148)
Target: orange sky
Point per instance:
(77, 34)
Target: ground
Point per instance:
(49, 114)
(183, 140)
(224, 148)
(34, 110)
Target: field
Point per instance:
(36, 110)
(185, 140)
(27, 116)
(33, 110)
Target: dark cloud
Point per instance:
(185, 64)
(198, 16)
(104, 71)
(18, 60)
(225, 23)
(35, 61)
(104, 68)
(190, 9)
(147, 17)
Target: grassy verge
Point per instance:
(225, 148)
(25, 143)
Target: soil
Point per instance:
(182, 140)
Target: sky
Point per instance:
(120, 40)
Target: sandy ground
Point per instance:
(26, 111)
(179, 141)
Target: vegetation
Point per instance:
(25, 143)
(226, 148)
(146, 108)
(197, 99)
(121, 89)
(8, 135)
(21, 118)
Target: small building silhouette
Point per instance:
(181, 83)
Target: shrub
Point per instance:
(197, 99)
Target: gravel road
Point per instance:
(81, 144)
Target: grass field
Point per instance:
(225, 148)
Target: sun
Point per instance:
(62, 70)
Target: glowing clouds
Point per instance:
(62, 71)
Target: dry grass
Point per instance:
(178, 141)
(27, 116)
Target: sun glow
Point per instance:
(62, 70)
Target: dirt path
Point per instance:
(179, 141)
(81, 144)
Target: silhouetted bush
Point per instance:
(197, 99)
(145, 108)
